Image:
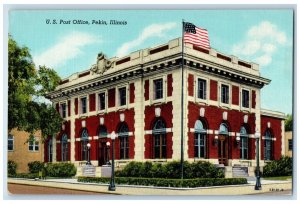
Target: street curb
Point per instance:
(149, 190)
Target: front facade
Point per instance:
(22, 151)
(139, 97)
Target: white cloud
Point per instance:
(154, 30)
(264, 60)
(260, 43)
(66, 48)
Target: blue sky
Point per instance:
(261, 36)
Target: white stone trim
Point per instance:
(207, 131)
(57, 141)
(68, 140)
(207, 91)
(96, 137)
(149, 132)
(251, 136)
(117, 95)
(216, 132)
(77, 139)
(151, 90)
(273, 139)
(210, 131)
(282, 138)
(231, 133)
(105, 91)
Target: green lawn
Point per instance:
(278, 178)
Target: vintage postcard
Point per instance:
(150, 102)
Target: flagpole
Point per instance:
(182, 84)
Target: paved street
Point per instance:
(281, 188)
(27, 189)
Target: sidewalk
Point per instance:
(267, 186)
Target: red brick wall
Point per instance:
(235, 95)
(131, 90)
(67, 131)
(92, 102)
(111, 97)
(170, 85)
(76, 106)
(213, 90)
(276, 133)
(111, 122)
(253, 98)
(214, 117)
(191, 85)
(69, 108)
(146, 87)
(166, 115)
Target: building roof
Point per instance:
(165, 56)
(274, 114)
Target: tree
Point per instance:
(25, 84)
(289, 123)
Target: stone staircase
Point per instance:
(239, 171)
(89, 170)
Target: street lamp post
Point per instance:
(89, 154)
(112, 186)
(107, 153)
(258, 184)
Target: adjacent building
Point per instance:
(139, 97)
(22, 151)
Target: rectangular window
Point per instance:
(201, 89)
(10, 143)
(124, 148)
(245, 99)
(33, 146)
(199, 145)
(225, 94)
(122, 96)
(63, 110)
(244, 148)
(83, 105)
(290, 145)
(101, 98)
(158, 88)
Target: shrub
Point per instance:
(282, 167)
(26, 175)
(192, 183)
(35, 166)
(11, 168)
(61, 170)
(170, 170)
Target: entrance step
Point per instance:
(239, 171)
(89, 170)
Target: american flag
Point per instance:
(196, 36)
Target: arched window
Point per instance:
(268, 145)
(243, 143)
(64, 147)
(123, 133)
(102, 131)
(200, 140)
(50, 150)
(223, 129)
(84, 142)
(159, 139)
